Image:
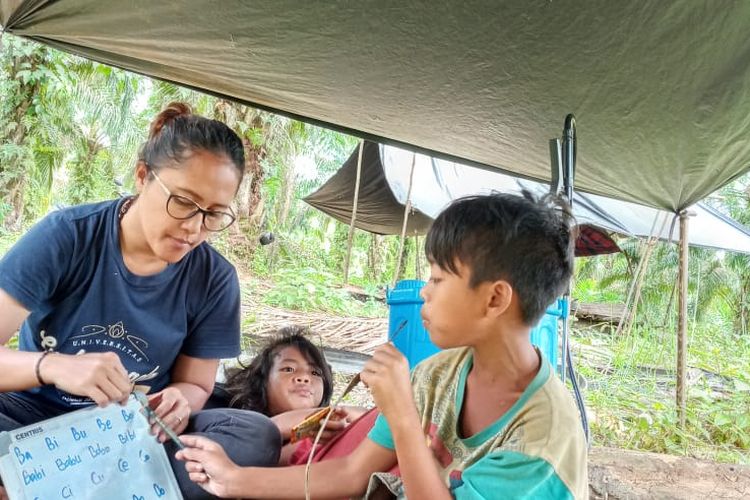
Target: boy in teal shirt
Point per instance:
(486, 418)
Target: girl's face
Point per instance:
(207, 179)
(293, 383)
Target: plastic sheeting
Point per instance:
(660, 88)
(437, 182)
(378, 209)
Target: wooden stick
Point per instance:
(407, 209)
(354, 213)
(681, 395)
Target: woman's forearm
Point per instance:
(18, 368)
(195, 394)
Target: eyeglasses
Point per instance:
(183, 208)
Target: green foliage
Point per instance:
(632, 403)
(312, 290)
(589, 290)
(13, 342)
(68, 130)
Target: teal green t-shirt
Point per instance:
(535, 450)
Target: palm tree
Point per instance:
(91, 114)
(24, 72)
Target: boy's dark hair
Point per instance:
(525, 241)
(247, 385)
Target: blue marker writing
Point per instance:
(51, 443)
(33, 476)
(96, 478)
(22, 456)
(77, 435)
(104, 425)
(160, 492)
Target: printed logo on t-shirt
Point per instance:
(115, 337)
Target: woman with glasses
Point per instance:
(127, 293)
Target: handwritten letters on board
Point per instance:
(97, 453)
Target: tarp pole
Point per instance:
(407, 209)
(569, 171)
(682, 322)
(417, 266)
(350, 238)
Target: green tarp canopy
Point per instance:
(660, 88)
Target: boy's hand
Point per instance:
(207, 464)
(386, 374)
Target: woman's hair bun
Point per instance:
(168, 114)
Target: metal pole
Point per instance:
(354, 213)
(563, 165)
(682, 322)
(569, 166)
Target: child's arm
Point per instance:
(288, 420)
(347, 476)
(354, 412)
(387, 376)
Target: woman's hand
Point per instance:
(386, 374)
(207, 464)
(172, 407)
(99, 376)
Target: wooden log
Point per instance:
(607, 312)
(624, 474)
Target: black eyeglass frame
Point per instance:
(198, 208)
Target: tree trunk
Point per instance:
(743, 314)
(287, 195)
(408, 251)
(250, 206)
(375, 257)
(83, 174)
(13, 170)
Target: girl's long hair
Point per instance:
(247, 385)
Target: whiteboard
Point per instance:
(93, 453)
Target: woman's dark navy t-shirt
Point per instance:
(69, 272)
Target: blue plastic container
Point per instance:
(544, 334)
(404, 305)
(414, 342)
